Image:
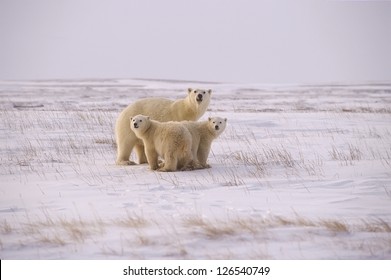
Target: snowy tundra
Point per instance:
(301, 172)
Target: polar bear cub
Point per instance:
(203, 133)
(191, 108)
(170, 140)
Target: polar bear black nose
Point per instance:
(135, 125)
(199, 97)
(217, 127)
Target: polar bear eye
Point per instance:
(195, 91)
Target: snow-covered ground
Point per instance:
(301, 172)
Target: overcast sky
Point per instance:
(246, 41)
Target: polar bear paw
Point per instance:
(126, 162)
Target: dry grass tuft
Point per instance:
(214, 231)
(211, 229)
(251, 159)
(232, 178)
(5, 227)
(346, 157)
(131, 221)
(279, 156)
(77, 231)
(378, 225)
(217, 228)
(285, 221)
(55, 240)
(335, 226)
(194, 221)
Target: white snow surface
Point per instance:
(301, 172)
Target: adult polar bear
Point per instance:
(191, 108)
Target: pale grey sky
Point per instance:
(243, 41)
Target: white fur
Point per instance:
(191, 108)
(203, 133)
(169, 140)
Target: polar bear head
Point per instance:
(139, 124)
(200, 95)
(217, 125)
(198, 100)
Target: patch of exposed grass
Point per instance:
(335, 225)
(5, 227)
(131, 221)
(346, 156)
(240, 225)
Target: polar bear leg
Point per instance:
(202, 155)
(194, 165)
(187, 162)
(142, 158)
(170, 163)
(152, 157)
(124, 148)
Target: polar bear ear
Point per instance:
(189, 90)
(225, 119)
(209, 91)
(209, 118)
